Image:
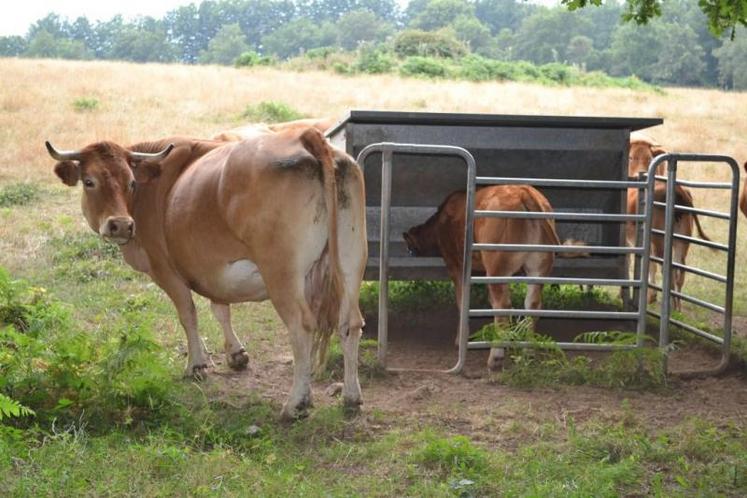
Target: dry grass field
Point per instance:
(418, 435)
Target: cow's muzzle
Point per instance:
(119, 229)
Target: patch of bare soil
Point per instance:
(497, 414)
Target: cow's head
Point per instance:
(420, 241)
(109, 174)
(642, 151)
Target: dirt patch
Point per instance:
(496, 414)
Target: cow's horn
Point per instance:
(143, 156)
(62, 155)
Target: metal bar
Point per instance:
(543, 182)
(693, 270)
(535, 215)
(386, 200)
(602, 315)
(694, 240)
(558, 248)
(692, 184)
(464, 298)
(702, 212)
(578, 346)
(556, 280)
(690, 328)
(730, 262)
(645, 259)
(666, 271)
(691, 299)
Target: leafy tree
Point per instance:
(732, 62)
(634, 50)
(474, 33)
(11, 46)
(722, 15)
(502, 14)
(680, 59)
(440, 13)
(228, 44)
(579, 49)
(144, 41)
(442, 43)
(360, 26)
(45, 44)
(297, 36)
(544, 36)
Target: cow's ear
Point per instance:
(657, 150)
(68, 172)
(145, 171)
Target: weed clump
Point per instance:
(271, 112)
(18, 194)
(85, 104)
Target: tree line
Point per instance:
(674, 48)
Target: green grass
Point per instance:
(86, 104)
(19, 194)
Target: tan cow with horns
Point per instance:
(244, 221)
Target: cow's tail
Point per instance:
(531, 203)
(329, 292)
(683, 197)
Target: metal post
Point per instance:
(666, 269)
(386, 197)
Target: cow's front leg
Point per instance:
(236, 356)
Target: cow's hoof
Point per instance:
(351, 406)
(300, 410)
(196, 372)
(238, 360)
(495, 359)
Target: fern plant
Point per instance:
(10, 408)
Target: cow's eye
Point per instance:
(88, 183)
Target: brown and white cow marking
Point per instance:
(280, 216)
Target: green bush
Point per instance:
(252, 58)
(414, 42)
(86, 104)
(375, 61)
(320, 52)
(424, 66)
(50, 366)
(271, 112)
(18, 194)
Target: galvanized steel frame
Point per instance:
(639, 282)
(387, 149)
(668, 265)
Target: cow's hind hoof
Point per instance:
(238, 360)
(196, 372)
(351, 407)
(495, 359)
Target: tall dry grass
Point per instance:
(144, 102)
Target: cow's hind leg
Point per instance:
(350, 334)
(236, 356)
(500, 298)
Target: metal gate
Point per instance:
(387, 149)
(639, 283)
(668, 266)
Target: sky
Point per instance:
(18, 15)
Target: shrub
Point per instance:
(252, 58)
(375, 61)
(320, 52)
(86, 104)
(271, 112)
(424, 66)
(414, 42)
(18, 194)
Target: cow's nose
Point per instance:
(120, 227)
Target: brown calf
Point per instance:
(443, 235)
